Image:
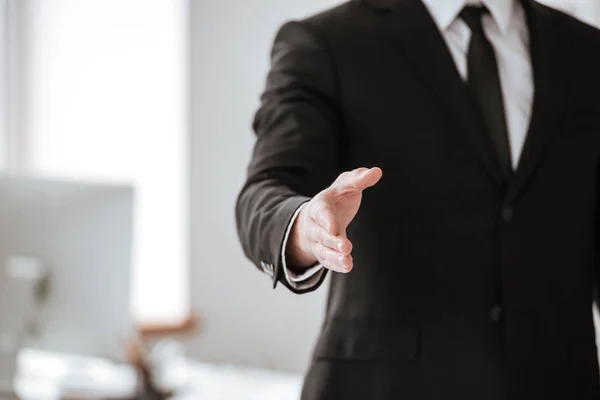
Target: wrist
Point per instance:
(298, 253)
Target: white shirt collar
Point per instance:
(444, 12)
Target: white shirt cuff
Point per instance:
(308, 278)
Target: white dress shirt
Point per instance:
(506, 28)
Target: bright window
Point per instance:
(106, 99)
(3, 82)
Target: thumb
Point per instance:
(358, 179)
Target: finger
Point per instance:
(323, 215)
(320, 235)
(358, 179)
(332, 259)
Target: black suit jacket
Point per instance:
(465, 286)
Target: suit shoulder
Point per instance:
(575, 28)
(336, 14)
(317, 28)
(331, 20)
(324, 27)
(583, 59)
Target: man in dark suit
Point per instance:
(469, 270)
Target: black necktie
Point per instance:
(484, 84)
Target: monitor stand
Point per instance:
(19, 292)
(8, 367)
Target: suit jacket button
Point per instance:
(496, 314)
(507, 213)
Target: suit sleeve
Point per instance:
(298, 128)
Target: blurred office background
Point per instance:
(160, 94)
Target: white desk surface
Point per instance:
(44, 376)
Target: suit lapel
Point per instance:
(549, 50)
(410, 26)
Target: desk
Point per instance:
(44, 376)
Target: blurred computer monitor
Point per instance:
(82, 234)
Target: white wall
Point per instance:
(245, 320)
